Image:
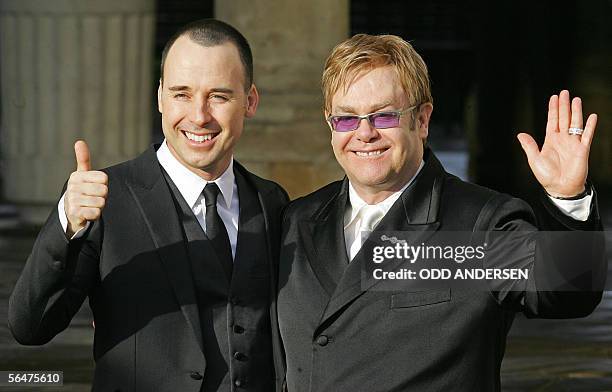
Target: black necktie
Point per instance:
(215, 229)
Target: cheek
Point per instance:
(226, 115)
(233, 123)
(236, 133)
(339, 142)
(404, 142)
(173, 112)
(406, 149)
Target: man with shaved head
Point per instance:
(174, 249)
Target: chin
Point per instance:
(369, 180)
(203, 164)
(373, 174)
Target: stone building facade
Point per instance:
(88, 70)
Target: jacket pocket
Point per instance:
(420, 298)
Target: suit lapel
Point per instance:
(324, 240)
(250, 204)
(415, 212)
(249, 250)
(153, 198)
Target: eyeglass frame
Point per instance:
(399, 113)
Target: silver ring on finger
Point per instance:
(575, 131)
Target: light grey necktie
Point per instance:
(369, 216)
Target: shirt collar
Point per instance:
(189, 184)
(357, 203)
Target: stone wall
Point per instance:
(288, 140)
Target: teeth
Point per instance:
(198, 138)
(368, 153)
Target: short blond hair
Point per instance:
(364, 52)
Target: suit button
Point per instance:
(235, 301)
(238, 329)
(196, 375)
(240, 356)
(239, 383)
(322, 340)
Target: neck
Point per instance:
(214, 171)
(374, 194)
(378, 193)
(209, 173)
(373, 197)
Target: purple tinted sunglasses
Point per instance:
(379, 120)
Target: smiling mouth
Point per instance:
(370, 153)
(200, 138)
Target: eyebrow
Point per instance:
(179, 88)
(222, 90)
(214, 90)
(373, 109)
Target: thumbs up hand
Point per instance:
(86, 192)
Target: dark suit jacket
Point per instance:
(338, 336)
(134, 267)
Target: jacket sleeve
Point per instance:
(565, 258)
(57, 277)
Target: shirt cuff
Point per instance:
(64, 221)
(576, 209)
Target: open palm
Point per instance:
(561, 167)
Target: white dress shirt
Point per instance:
(356, 214)
(190, 185)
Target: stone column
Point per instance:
(71, 69)
(288, 140)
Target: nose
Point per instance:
(200, 113)
(366, 132)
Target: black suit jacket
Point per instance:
(341, 334)
(134, 267)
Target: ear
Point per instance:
(252, 101)
(159, 97)
(422, 120)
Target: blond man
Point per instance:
(341, 333)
